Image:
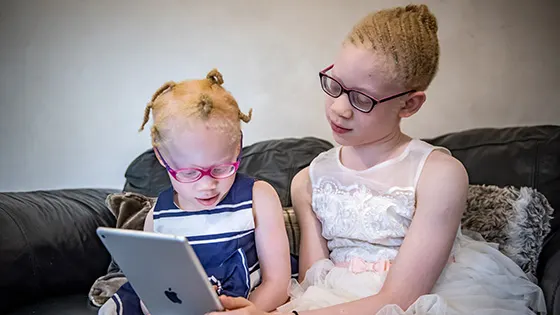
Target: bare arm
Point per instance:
(441, 200)
(313, 246)
(272, 248)
(149, 221)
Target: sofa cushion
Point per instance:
(517, 219)
(516, 156)
(48, 243)
(275, 161)
(130, 209)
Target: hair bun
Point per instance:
(245, 117)
(424, 16)
(215, 77)
(205, 105)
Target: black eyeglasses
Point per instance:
(360, 101)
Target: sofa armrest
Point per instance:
(48, 243)
(549, 272)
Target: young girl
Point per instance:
(380, 215)
(233, 222)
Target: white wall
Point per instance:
(68, 67)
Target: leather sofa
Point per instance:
(50, 255)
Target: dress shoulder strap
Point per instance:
(165, 200)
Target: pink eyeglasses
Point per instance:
(193, 174)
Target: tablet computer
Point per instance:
(163, 270)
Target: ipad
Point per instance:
(163, 270)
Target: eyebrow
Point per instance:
(371, 91)
(219, 161)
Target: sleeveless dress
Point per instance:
(365, 216)
(223, 238)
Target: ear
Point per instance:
(412, 104)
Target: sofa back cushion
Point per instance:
(516, 156)
(275, 161)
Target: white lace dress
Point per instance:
(365, 216)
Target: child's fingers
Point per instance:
(144, 308)
(234, 306)
(231, 303)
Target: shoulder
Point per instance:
(262, 189)
(265, 200)
(301, 179)
(301, 190)
(444, 166)
(439, 163)
(301, 183)
(443, 179)
(265, 196)
(149, 219)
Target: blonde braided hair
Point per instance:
(407, 36)
(203, 99)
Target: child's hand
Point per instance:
(237, 306)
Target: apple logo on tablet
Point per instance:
(172, 296)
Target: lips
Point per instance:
(208, 201)
(339, 129)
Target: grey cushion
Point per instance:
(517, 219)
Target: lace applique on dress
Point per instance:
(357, 220)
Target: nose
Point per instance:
(207, 183)
(341, 106)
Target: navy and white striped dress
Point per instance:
(223, 238)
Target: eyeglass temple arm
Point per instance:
(240, 147)
(162, 159)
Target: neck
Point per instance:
(370, 154)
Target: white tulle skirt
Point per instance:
(480, 281)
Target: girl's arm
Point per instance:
(272, 248)
(149, 221)
(313, 246)
(441, 199)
